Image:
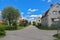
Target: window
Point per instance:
(59, 12)
(55, 19)
(54, 12)
(52, 19)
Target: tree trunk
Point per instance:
(9, 22)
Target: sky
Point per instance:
(29, 9)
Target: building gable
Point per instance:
(53, 8)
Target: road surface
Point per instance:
(30, 33)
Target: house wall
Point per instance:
(44, 21)
(51, 14)
(38, 21)
(1, 21)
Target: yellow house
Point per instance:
(38, 20)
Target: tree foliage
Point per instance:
(10, 15)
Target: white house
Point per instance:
(51, 15)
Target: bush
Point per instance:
(34, 23)
(6, 27)
(38, 25)
(29, 23)
(10, 28)
(2, 31)
(52, 28)
(57, 36)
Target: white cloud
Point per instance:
(32, 16)
(24, 18)
(30, 19)
(28, 12)
(40, 15)
(32, 10)
(22, 12)
(49, 0)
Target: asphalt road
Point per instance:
(30, 33)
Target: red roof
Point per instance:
(45, 14)
(1, 21)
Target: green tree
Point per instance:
(10, 15)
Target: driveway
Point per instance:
(30, 33)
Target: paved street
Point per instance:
(30, 33)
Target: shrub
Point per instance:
(29, 23)
(2, 31)
(38, 25)
(10, 28)
(52, 28)
(34, 23)
(57, 36)
(6, 27)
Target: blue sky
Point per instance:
(29, 8)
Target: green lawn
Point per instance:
(20, 27)
(57, 36)
(46, 28)
(1, 36)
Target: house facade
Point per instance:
(38, 20)
(51, 15)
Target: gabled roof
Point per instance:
(45, 13)
(58, 3)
